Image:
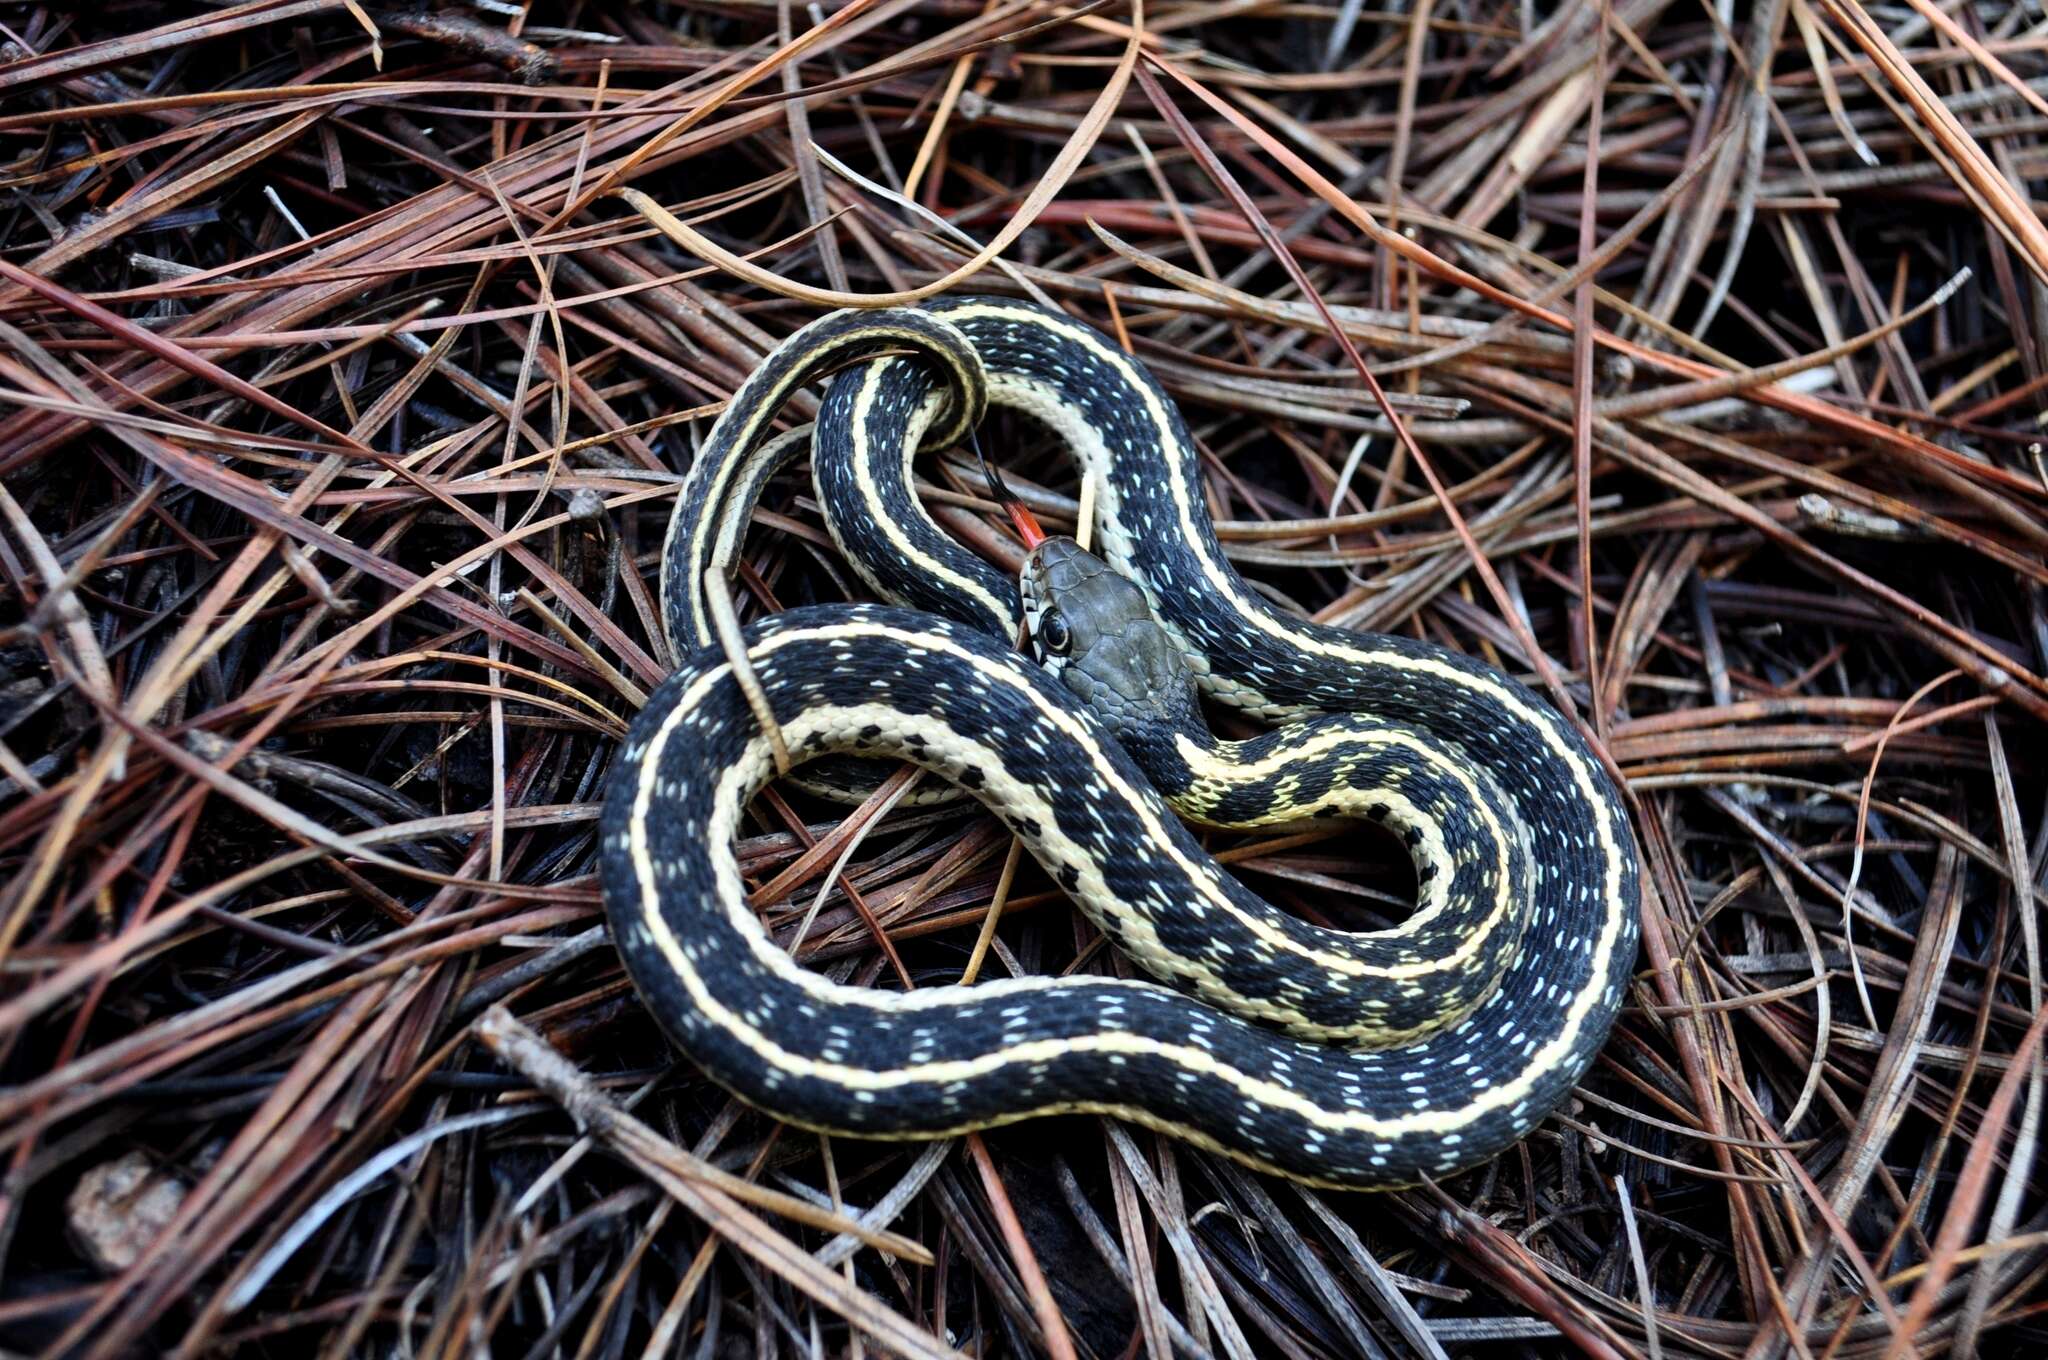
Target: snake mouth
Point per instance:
(1032, 597)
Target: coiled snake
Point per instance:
(1338, 1058)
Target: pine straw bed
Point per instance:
(344, 398)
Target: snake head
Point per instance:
(1096, 633)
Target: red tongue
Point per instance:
(1027, 525)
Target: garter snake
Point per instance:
(1337, 1058)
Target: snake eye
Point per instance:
(1053, 634)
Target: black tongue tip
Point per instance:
(1020, 515)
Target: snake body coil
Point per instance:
(1348, 1059)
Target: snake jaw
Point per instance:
(1035, 598)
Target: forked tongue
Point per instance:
(1020, 515)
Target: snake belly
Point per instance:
(951, 696)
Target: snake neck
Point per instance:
(1205, 778)
(1226, 784)
(1174, 752)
